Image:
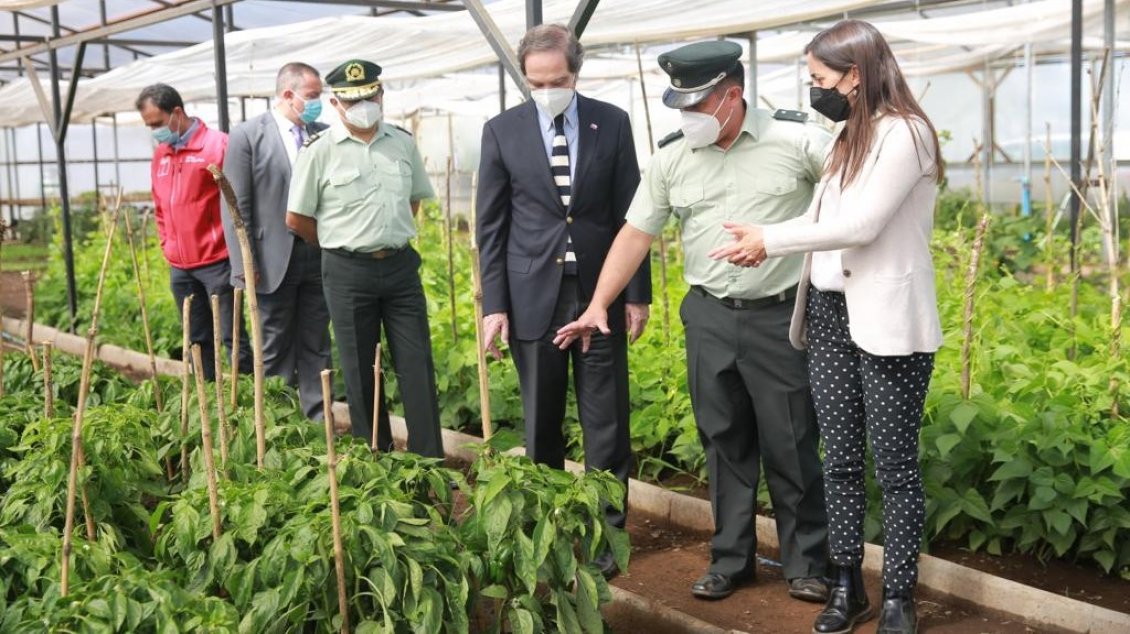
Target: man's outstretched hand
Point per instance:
(590, 321)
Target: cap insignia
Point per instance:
(354, 72)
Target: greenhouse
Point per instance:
(567, 316)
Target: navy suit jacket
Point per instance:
(522, 226)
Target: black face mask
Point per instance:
(829, 102)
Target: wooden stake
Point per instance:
(29, 298)
(662, 243)
(206, 439)
(970, 288)
(448, 229)
(80, 412)
(185, 370)
(48, 384)
(253, 302)
(335, 508)
(237, 316)
(477, 289)
(376, 398)
(1049, 213)
(157, 396)
(218, 346)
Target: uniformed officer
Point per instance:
(749, 388)
(354, 192)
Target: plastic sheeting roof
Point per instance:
(429, 56)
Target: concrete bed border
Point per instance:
(1026, 604)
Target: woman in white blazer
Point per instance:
(866, 309)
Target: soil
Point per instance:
(666, 561)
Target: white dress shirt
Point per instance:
(285, 131)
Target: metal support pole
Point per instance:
(42, 189)
(9, 165)
(221, 66)
(751, 73)
(16, 171)
(105, 46)
(117, 158)
(533, 13)
(580, 20)
(988, 80)
(16, 32)
(1026, 175)
(1076, 121)
(61, 161)
(94, 149)
(1108, 107)
(497, 43)
(501, 89)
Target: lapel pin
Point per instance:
(593, 126)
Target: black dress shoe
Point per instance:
(847, 603)
(808, 589)
(606, 563)
(715, 585)
(897, 616)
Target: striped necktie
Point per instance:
(559, 167)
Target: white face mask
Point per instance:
(364, 115)
(552, 101)
(701, 129)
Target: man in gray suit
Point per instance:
(261, 152)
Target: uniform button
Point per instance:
(561, 260)
(568, 220)
(847, 273)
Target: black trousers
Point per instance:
(365, 295)
(296, 328)
(751, 400)
(861, 396)
(600, 379)
(201, 283)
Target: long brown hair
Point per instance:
(882, 90)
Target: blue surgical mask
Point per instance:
(164, 135)
(311, 110)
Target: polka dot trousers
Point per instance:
(860, 397)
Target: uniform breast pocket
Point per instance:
(774, 185)
(346, 184)
(685, 197)
(398, 176)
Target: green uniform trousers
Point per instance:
(753, 407)
(364, 295)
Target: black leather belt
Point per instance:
(379, 254)
(742, 304)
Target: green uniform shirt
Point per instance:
(766, 176)
(360, 193)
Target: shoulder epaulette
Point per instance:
(671, 138)
(790, 115)
(401, 129)
(314, 137)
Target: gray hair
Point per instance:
(552, 37)
(291, 75)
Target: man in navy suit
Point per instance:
(292, 307)
(556, 176)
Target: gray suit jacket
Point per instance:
(259, 171)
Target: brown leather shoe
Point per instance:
(715, 585)
(808, 589)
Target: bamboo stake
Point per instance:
(664, 302)
(1049, 213)
(448, 228)
(206, 439)
(186, 359)
(970, 288)
(3, 228)
(48, 384)
(335, 508)
(477, 289)
(253, 302)
(237, 316)
(29, 299)
(80, 412)
(217, 346)
(376, 398)
(157, 396)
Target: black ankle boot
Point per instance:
(897, 615)
(847, 603)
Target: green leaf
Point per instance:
(1018, 468)
(974, 506)
(946, 443)
(963, 415)
(525, 566)
(588, 604)
(521, 621)
(495, 592)
(497, 521)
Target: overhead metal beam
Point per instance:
(533, 14)
(498, 43)
(220, 57)
(1076, 122)
(581, 16)
(60, 131)
(396, 5)
(69, 30)
(200, 15)
(120, 25)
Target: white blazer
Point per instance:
(884, 226)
